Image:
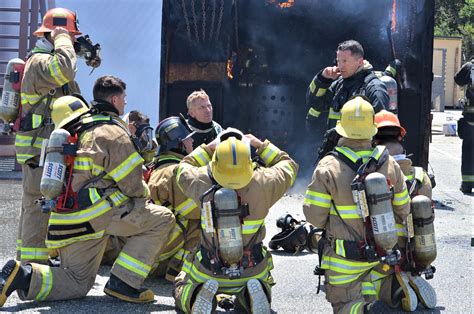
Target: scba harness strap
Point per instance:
(253, 253)
(355, 250)
(85, 196)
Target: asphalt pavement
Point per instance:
(295, 290)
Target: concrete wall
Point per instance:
(452, 63)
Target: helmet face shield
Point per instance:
(171, 132)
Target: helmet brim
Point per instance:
(366, 133)
(41, 30)
(237, 178)
(383, 124)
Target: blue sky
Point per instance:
(129, 32)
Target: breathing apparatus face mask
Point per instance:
(144, 137)
(85, 49)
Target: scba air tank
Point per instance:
(229, 229)
(10, 105)
(424, 250)
(381, 211)
(392, 90)
(54, 171)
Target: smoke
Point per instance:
(129, 33)
(302, 39)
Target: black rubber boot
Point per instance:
(376, 307)
(117, 288)
(466, 187)
(14, 277)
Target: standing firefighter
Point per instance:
(49, 74)
(465, 77)
(332, 87)
(350, 196)
(175, 141)
(106, 196)
(234, 195)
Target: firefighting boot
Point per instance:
(14, 277)
(424, 291)
(118, 289)
(402, 292)
(376, 307)
(466, 187)
(258, 299)
(205, 301)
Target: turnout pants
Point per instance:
(194, 275)
(181, 244)
(33, 224)
(146, 229)
(373, 284)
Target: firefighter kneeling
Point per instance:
(175, 141)
(358, 195)
(107, 197)
(235, 195)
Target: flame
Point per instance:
(230, 65)
(394, 15)
(282, 5)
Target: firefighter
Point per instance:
(465, 77)
(235, 196)
(175, 141)
(390, 134)
(111, 200)
(49, 73)
(142, 134)
(200, 116)
(334, 85)
(347, 259)
(110, 98)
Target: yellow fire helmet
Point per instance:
(65, 109)
(357, 120)
(231, 164)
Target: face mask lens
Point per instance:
(145, 136)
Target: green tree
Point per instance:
(456, 18)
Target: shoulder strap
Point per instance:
(163, 160)
(378, 157)
(354, 166)
(367, 79)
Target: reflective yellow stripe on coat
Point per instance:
(317, 199)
